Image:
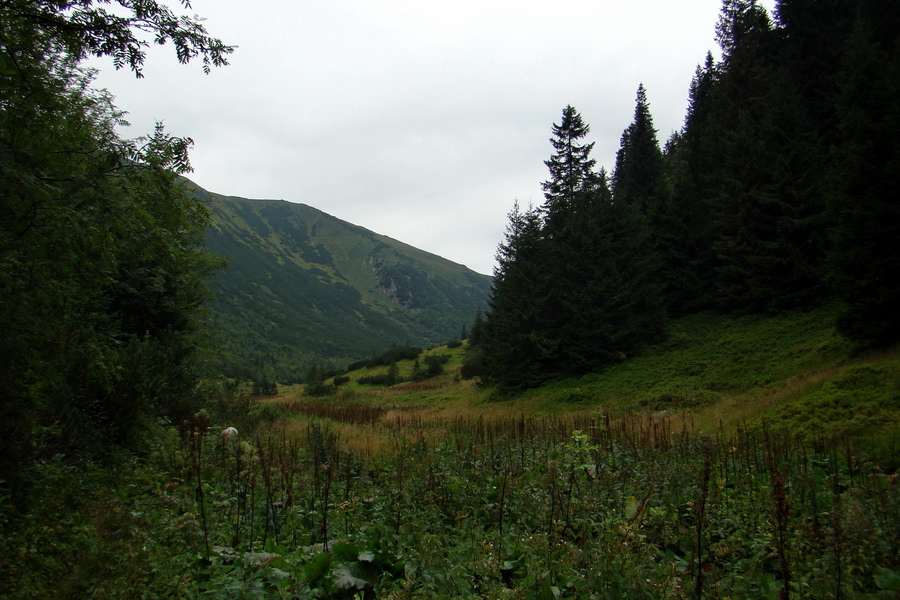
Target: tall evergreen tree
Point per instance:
(768, 253)
(477, 328)
(572, 181)
(865, 177)
(639, 181)
(637, 178)
(576, 286)
(811, 39)
(571, 166)
(510, 350)
(680, 239)
(693, 168)
(609, 298)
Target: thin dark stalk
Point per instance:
(697, 557)
(329, 475)
(782, 514)
(198, 428)
(500, 517)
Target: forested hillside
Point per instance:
(778, 192)
(302, 288)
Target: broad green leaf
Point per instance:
(317, 567)
(632, 505)
(887, 579)
(345, 552)
(344, 579)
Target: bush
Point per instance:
(473, 365)
(360, 364)
(379, 379)
(320, 388)
(434, 367)
(396, 353)
(264, 387)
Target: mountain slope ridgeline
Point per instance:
(302, 287)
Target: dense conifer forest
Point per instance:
(777, 193)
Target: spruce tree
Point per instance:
(693, 167)
(767, 242)
(576, 286)
(812, 39)
(609, 299)
(639, 181)
(509, 347)
(637, 178)
(477, 328)
(865, 256)
(572, 181)
(680, 239)
(571, 167)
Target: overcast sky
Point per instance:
(417, 120)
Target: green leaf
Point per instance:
(345, 552)
(344, 579)
(631, 507)
(887, 579)
(317, 568)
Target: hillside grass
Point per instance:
(791, 371)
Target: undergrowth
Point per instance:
(707, 356)
(593, 506)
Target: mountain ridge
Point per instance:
(303, 287)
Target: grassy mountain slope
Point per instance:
(304, 287)
(713, 372)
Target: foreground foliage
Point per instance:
(541, 508)
(101, 269)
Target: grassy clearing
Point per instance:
(713, 371)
